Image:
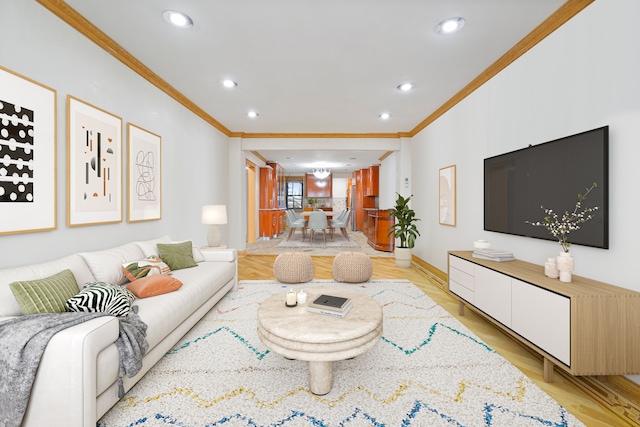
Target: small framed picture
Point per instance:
(27, 155)
(94, 165)
(447, 196)
(144, 175)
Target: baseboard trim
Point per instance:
(440, 277)
(616, 393)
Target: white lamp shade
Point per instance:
(214, 214)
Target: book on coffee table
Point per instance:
(334, 313)
(330, 302)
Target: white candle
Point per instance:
(302, 297)
(291, 297)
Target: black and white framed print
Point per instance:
(27, 154)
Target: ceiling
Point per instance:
(318, 66)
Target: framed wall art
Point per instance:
(144, 175)
(447, 196)
(94, 165)
(27, 154)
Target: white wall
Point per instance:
(195, 166)
(388, 181)
(583, 76)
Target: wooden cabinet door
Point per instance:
(358, 214)
(266, 188)
(373, 181)
(318, 187)
(266, 224)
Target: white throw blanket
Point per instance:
(23, 340)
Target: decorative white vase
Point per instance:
(551, 268)
(565, 265)
(403, 257)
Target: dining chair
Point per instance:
(341, 222)
(293, 222)
(318, 221)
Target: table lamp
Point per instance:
(214, 215)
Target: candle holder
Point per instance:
(292, 299)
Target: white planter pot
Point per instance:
(403, 257)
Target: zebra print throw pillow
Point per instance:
(102, 297)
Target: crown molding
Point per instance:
(319, 135)
(564, 13)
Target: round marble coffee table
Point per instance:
(320, 339)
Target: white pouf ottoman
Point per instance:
(352, 267)
(293, 267)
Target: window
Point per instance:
(294, 195)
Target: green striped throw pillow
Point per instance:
(46, 295)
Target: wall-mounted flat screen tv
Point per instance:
(551, 174)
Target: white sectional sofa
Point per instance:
(76, 382)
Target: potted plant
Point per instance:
(405, 229)
(560, 227)
(313, 203)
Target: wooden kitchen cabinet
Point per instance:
(372, 183)
(272, 201)
(279, 185)
(377, 223)
(361, 202)
(267, 188)
(317, 187)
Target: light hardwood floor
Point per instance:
(569, 393)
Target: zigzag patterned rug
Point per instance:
(427, 370)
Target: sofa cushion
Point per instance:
(150, 247)
(46, 295)
(106, 265)
(102, 297)
(154, 285)
(177, 255)
(8, 304)
(145, 267)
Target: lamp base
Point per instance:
(213, 236)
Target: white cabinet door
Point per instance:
(492, 294)
(543, 318)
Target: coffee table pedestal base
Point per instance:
(320, 377)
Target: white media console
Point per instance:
(585, 327)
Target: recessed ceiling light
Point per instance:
(384, 116)
(406, 86)
(229, 83)
(450, 25)
(177, 18)
(252, 114)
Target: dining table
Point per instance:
(329, 214)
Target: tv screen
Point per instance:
(551, 174)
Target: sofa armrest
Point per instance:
(227, 255)
(64, 392)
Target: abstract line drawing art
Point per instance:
(146, 182)
(27, 155)
(95, 165)
(144, 175)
